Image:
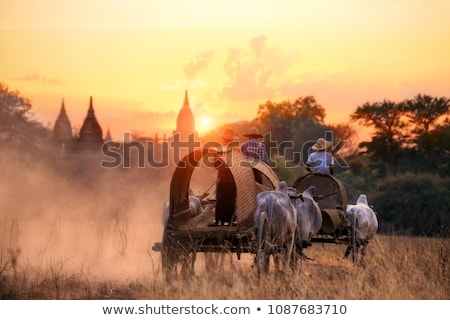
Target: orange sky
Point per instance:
(136, 58)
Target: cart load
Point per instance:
(186, 233)
(241, 169)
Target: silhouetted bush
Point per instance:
(414, 204)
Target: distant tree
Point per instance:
(17, 123)
(388, 120)
(344, 135)
(433, 151)
(428, 119)
(293, 126)
(290, 113)
(344, 144)
(276, 118)
(308, 107)
(425, 112)
(441, 141)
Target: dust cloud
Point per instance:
(70, 215)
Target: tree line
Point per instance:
(412, 136)
(18, 125)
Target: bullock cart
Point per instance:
(331, 197)
(185, 234)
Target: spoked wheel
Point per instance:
(177, 259)
(262, 250)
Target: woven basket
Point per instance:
(246, 187)
(267, 172)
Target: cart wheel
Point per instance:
(262, 252)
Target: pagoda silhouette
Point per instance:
(90, 136)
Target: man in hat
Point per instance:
(229, 140)
(321, 161)
(255, 149)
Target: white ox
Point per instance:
(309, 219)
(277, 208)
(195, 204)
(366, 221)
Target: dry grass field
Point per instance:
(114, 261)
(63, 238)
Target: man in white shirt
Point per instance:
(321, 160)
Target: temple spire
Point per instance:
(185, 120)
(62, 129)
(108, 135)
(91, 134)
(91, 106)
(186, 100)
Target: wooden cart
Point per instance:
(185, 234)
(330, 194)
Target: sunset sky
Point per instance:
(137, 57)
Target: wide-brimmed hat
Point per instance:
(228, 134)
(321, 144)
(253, 133)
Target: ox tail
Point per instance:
(353, 215)
(270, 201)
(265, 242)
(270, 204)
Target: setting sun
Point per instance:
(204, 125)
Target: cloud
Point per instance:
(52, 81)
(258, 44)
(29, 77)
(35, 77)
(254, 72)
(200, 63)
